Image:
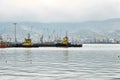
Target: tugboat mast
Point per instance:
(28, 35)
(15, 32)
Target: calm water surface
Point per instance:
(29, 64)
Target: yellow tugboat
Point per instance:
(65, 40)
(27, 42)
(65, 43)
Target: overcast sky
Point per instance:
(58, 10)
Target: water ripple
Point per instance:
(59, 65)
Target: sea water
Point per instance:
(91, 62)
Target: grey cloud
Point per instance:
(58, 10)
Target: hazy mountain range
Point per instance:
(85, 30)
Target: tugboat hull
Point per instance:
(68, 45)
(47, 45)
(3, 45)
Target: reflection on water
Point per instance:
(115, 79)
(66, 56)
(28, 56)
(3, 56)
(28, 64)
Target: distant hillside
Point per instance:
(90, 29)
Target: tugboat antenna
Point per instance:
(66, 33)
